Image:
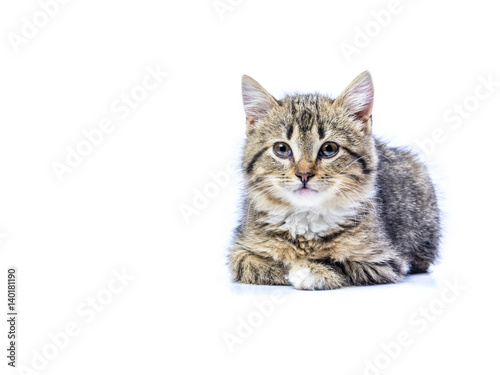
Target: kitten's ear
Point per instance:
(256, 100)
(357, 99)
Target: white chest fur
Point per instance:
(310, 223)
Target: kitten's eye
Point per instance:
(329, 149)
(282, 150)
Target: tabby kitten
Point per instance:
(327, 205)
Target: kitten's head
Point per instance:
(309, 151)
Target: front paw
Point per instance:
(313, 276)
(301, 277)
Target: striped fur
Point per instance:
(369, 214)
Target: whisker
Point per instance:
(351, 164)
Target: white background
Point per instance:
(119, 209)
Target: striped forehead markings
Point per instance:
(305, 113)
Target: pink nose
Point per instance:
(304, 176)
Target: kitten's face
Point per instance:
(309, 151)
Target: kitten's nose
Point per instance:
(304, 177)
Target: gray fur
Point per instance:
(370, 215)
(408, 207)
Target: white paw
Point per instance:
(302, 278)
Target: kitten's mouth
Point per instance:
(305, 191)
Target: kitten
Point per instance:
(327, 205)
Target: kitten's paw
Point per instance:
(313, 276)
(301, 277)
